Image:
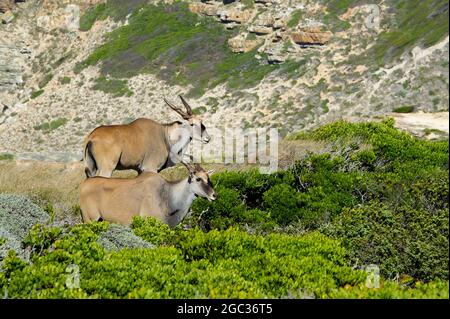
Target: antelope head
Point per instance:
(195, 121)
(199, 182)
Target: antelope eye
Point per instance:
(198, 179)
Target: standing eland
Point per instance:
(143, 145)
(118, 200)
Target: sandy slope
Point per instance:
(417, 122)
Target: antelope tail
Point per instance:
(90, 164)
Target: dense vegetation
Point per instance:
(192, 263)
(376, 196)
(383, 193)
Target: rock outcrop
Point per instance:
(311, 36)
(12, 60)
(204, 8)
(242, 44)
(6, 5)
(268, 21)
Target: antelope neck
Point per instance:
(181, 196)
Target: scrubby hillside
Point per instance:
(351, 199)
(286, 64)
(368, 195)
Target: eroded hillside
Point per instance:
(69, 66)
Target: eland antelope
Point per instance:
(143, 145)
(149, 194)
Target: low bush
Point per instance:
(368, 163)
(6, 156)
(64, 80)
(217, 264)
(17, 217)
(36, 93)
(402, 240)
(404, 109)
(112, 86)
(50, 126)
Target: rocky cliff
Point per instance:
(69, 66)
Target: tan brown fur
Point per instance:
(149, 194)
(142, 145)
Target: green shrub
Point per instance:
(91, 15)
(199, 110)
(398, 148)
(153, 231)
(41, 238)
(226, 211)
(6, 157)
(64, 80)
(404, 109)
(112, 86)
(400, 240)
(389, 290)
(35, 94)
(368, 163)
(47, 78)
(216, 264)
(50, 126)
(295, 18)
(283, 203)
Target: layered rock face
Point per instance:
(265, 22)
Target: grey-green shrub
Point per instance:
(17, 216)
(118, 237)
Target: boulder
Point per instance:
(235, 15)
(6, 5)
(203, 8)
(7, 17)
(266, 2)
(241, 44)
(311, 36)
(260, 29)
